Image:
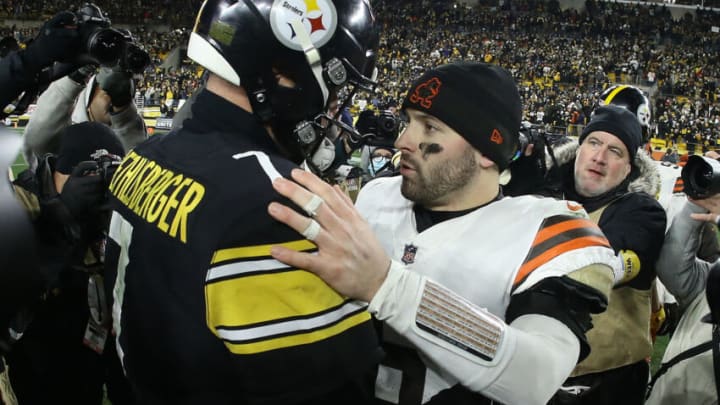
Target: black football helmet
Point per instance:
(321, 45)
(633, 99)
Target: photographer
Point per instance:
(609, 174)
(60, 353)
(687, 374)
(80, 96)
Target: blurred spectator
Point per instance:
(380, 162)
(670, 156)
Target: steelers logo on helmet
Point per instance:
(631, 98)
(643, 114)
(318, 17)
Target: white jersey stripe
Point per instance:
(240, 268)
(264, 161)
(267, 331)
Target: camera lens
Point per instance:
(136, 59)
(387, 122)
(701, 177)
(106, 46)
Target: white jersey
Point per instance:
(691, 381)
(485, 257)
(671, 195)
(672, 198)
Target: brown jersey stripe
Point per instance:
(559, 234)
(572, 244)
(679, 185)
(550, 231)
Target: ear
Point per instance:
(484, 161)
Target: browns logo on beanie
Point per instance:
(479, 101)
(618, 121)
(78, 142)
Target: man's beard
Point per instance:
(430, 186)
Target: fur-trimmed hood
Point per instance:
(647, 178)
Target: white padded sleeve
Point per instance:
(521, 363)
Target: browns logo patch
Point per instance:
(425, 92)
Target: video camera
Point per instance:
(107, 46)
(380, 129)
(701, 177)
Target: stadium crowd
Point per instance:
(561, 59)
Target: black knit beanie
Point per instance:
(78, 142)
(618, 121)
(479, 101)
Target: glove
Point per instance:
(58, 40)
(83, 192)
(83, 73)
(672, 318)
(657, 319)
(117, 84)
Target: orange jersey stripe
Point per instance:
(576, 243)
(679, 185)
(564, 226)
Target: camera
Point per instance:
(135, 59)
(701, 177)
(530, 134)
(107, 164)
(380, 129)
(107, 46)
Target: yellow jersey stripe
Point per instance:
(258, 251)
(267, 297)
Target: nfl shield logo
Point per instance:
(409, 254)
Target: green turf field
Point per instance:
(658, 350)
(19, 164)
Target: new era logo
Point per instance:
(496, 137)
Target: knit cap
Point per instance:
(78, 142)
(618, 121)
(479, 101)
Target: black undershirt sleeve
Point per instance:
(564, 299)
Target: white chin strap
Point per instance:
(312, 55)
(325, 154)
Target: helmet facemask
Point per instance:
(322, 46)
(300, 116)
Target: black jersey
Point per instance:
(203, 313)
